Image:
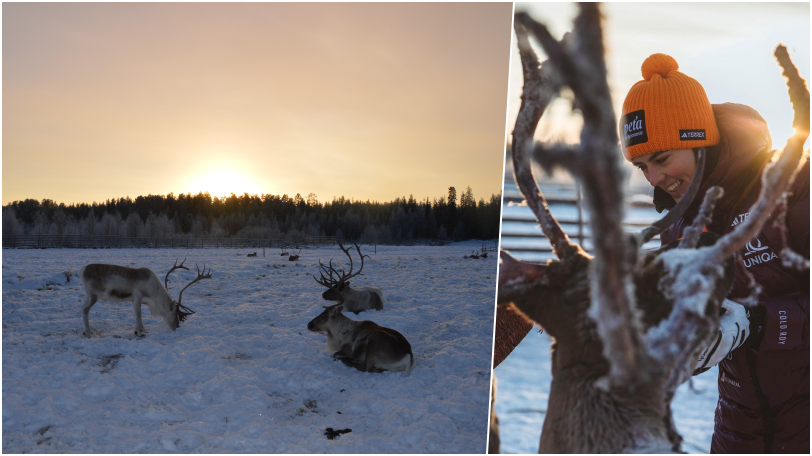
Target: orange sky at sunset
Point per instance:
(369, 101)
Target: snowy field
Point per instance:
(523, 387)
(243, 374)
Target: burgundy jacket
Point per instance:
(764, 386)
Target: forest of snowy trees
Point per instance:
(262, 217)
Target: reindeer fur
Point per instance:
(356, 299)
(112, 283)
(363, 345)
(560, 304)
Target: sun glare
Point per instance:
(223, 182)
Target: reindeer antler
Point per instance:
(200, 276)
(176, 266)
(541, 86)
(330, 281)
(579, 59)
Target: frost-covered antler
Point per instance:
(579, 62)
(628, 326)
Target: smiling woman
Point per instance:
(222, 182)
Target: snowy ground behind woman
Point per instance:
(523, 388)
(244, 374)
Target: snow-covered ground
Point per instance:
(243, 374)
(523, 387)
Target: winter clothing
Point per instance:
(734, 328)
(764, 385)
(666, 110)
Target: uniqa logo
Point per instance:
(758, 253)
(755, 249)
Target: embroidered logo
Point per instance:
(740, 219)
(727, 379)
(634, 128)
(756, 253)
(692, 135)
(783, 321)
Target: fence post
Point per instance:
(580, 214)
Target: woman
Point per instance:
(763, 382)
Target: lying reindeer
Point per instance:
(110, 282)
(363, 345)
(338, 287)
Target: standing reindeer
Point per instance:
(628, 326)
(338, 286)
(110, 282)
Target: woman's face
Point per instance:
(671, 170)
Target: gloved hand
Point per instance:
(733, 331)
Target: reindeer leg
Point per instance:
(139, 326)
(89, 302)
(349, 357)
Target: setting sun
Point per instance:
(223, 182)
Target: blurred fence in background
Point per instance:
(523, 238)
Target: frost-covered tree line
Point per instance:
(263, 217)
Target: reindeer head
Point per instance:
(335, 280)
(177, 312)
(322, 322)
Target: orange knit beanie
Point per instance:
(666, 110)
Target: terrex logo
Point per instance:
(740, 219)
(692, 135)
(634, 128)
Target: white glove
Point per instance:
(734, 327)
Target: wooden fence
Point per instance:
(34, 241)
(522, 236)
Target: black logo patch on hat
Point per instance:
(634, 128)
(692, 135)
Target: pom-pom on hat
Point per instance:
(666, 110)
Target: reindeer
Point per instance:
(295, 257)
(110, 282)
(363, 345)
(338, 286)
(628, 326)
